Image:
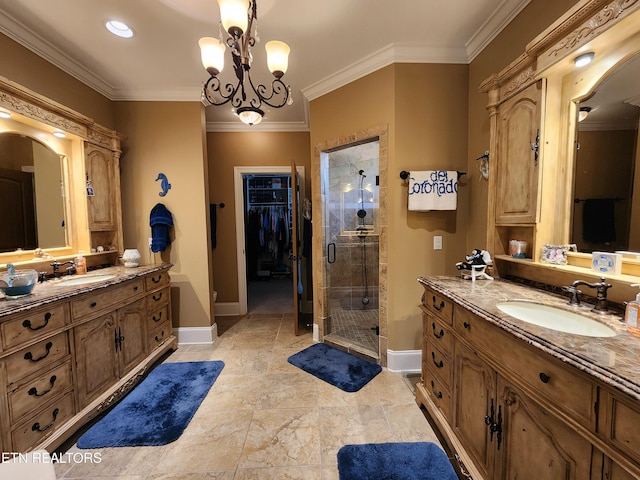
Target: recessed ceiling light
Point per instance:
(59, 134)
(119, 28)
(584, 59)
(4, 114)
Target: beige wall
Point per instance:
(226, 151)
(166, 137)
(424, 106)
(24, 67)
(504, 49)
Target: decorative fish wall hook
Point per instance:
(164, 184)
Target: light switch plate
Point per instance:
(437, 242)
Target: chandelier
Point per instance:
(239, 20)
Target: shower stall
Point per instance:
(350, 178)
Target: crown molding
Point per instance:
(190, 94)
(385, 56)
(238, 126)
(16, 31)
(491, 28)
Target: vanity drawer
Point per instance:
(39, 391)
(437, 333)
(95, 302)
(438, 394)
(36, 357)
(154, 319)
(438, 364)
(541, 373)
(41, 425)
(438, 305)
(158, 335)
(33, 325)
(622, 428)
(157, 299)
(156, 280)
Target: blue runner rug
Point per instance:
(341, 369)
(157, 411)
(397, 461)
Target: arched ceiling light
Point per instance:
(59, 134)
(583, 113)
(584, 59)
(239, 20)
(119, 28)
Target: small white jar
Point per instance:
(131, 257)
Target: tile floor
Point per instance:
(264, 418)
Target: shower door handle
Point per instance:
(331, 252)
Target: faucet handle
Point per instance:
(575, 295)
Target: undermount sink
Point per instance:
(556, 319)
(84, 280)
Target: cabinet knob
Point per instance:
(544, 378)
(466, 325)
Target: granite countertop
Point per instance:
(614, 361)
(55, 290)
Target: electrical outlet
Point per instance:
(437, 242)
(150, 241)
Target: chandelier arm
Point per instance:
(226, 93)
(278, 89)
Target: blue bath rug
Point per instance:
(397, 461)
(341, 369)
(157, 411)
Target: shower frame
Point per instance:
(322, 314)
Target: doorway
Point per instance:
(264, 230)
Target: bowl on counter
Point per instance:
(18, 284)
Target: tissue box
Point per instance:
(605, 262)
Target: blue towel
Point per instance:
(160, 220)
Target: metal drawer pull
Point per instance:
(93, 304)
(153, 279)
(34, 391)
(29, 355)
(544, 378)
(157, 319)
(36, 426)
(27, 323)
(466, 325)
(161, 338)
(135, 289)
(435, 334)
(438, 308)
(157, 299)
(437, 364)
(433, 389)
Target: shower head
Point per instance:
(361, 172)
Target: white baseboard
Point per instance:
(404, 361)
(227, 309)
(196, 335)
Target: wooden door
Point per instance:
(100, 178)
(18, 215)
(295, 261)
(519, 122)
(132, 335)
(96, 360)
(474, 401)
(536, 445)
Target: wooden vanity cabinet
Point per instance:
(62, 364)
(514, 411)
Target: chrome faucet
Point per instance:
(602, 305)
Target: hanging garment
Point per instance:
(160, 220)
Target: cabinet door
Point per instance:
(96, 360)
(536, 445)
(474, 400)
(518, 156)
(100, 172)
(132, 332)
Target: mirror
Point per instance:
(606, 163)
(32, 206)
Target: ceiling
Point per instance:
(332, 42)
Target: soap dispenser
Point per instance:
(631, 314)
